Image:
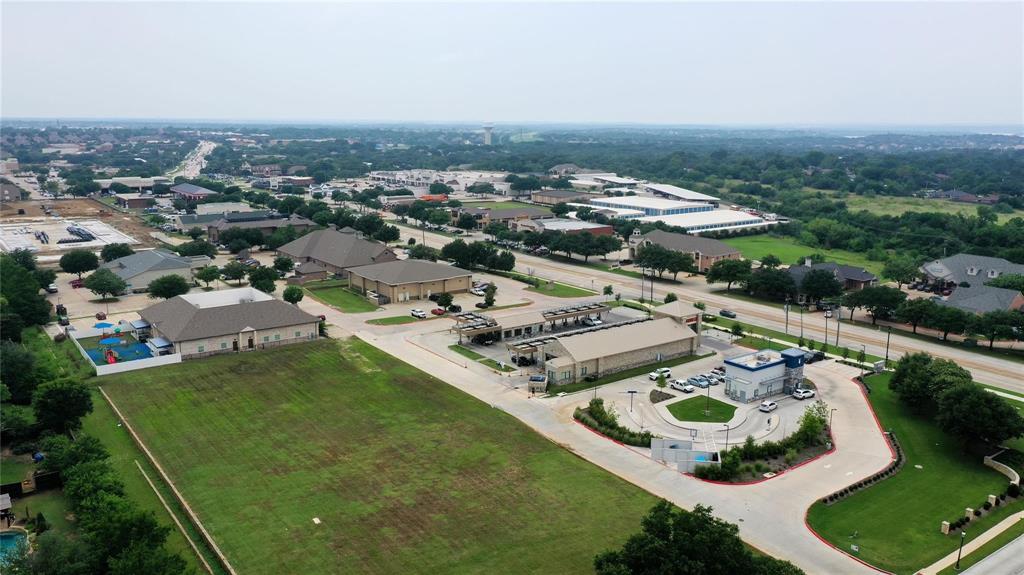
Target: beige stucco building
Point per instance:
(226, 321)
(405, 280)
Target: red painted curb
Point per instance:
(892, 453)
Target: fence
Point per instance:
(120, 367)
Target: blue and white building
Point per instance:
(762, 374)
(652, 206)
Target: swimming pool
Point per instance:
(9, 541)
(125, 352)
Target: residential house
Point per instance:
(266, 225)
(134, 201)
(142, 267)
(226, 321)
(968, 269)
(981, 299)
(705, 251)
(335, 251)
(851, 277)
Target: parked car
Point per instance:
(438, 311)
(591, 321)
(714, 378)
(482, 305)
(701, 383)
(727, 313)
(76, 283)
(661, 371)
(433, 296)
(768, 406)
(418, 313)
(720, 370)
(455, 308)
(803, 393)
(52, 288)
(477, 292)
(682, 386)
(814, 356)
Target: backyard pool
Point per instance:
(128, 350)
(9, 541)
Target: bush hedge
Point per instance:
(596, 417)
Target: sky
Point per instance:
(728, 63)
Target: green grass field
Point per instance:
(336, 295)
(789, 251)
(504, 205)
(16, 468)
(555, 289)
(465, 352)
(51, 504)
(394, 320)
(405, 473)
(893, 206)
(897, 521)
(693, 410)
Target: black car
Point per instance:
(432, 297)
(455, 308)
(482, 305)
(814, 356)
(727, 313)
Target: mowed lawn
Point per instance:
(335, 294)
(897, 521)
(504, 205)
(893, 206)
(693, 410)
(790, 252)
(405, 473)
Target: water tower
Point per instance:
(487, 134)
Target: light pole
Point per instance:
(631, 393)
(863, 352)
(787, 315)
(963, 535)
(801, 322)
(707, 402)
(887, 337)
(839, 319)
(826, 331)
(726, 436)
(830, 414)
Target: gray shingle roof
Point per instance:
(982, 299)
(342, 250)
(955, 268)
(191, 189)
(408, 271)
(842, 272)
(151, 260)
(179, 320)
(223, 224)
(687, 243)
(503, 213)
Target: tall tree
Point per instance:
(879, 301)
(168, 286)
(234, 271)
(915, 311)
(21, 297)
(104, 282)
(284, 264)
(820, 284)
(974, 415)
(17, 371)
(728, 271)
(208, 274)
(111, 252)
(79, 262)
(293, 294)
(61, 404)
(263, 278)
(900, 269)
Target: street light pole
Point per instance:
(963, 535)
(787, 315)
(839, 319)
(801, 322)
(707, 402)
(830, 414)
(826, 332)
(887, 337)
(726, 436)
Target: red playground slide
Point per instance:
(111, 356)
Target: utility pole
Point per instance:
(839, 319)
(887, 337)
(801, 322)
(787, 315)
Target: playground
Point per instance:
(112, 348)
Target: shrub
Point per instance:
(986, 506)
(977, 512)
(40, 524)
(1013, 490)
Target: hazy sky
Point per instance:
(725, 63)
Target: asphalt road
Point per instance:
(991, 370)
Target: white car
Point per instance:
(803, 393)
(477, 291)
(661, 371)
(418, 313)
(681, 386)
(768, 406)
(592, 322)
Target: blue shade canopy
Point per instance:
(110, 341)
(103, 325)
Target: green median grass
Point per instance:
(405, 473)
(496, 366)
(693, 410)
(555, 289)
(465, 352)
(393, 320)
(752, 332)
(337, 295)
(896, 522)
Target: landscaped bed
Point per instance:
(403, 472)
(624, 374)
(693, 409)
(896, 522)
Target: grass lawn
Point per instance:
(405, 473)
(751, 340)
(997, 542)
(340, 297)
(897, 521)
(981, 348)
(555, 289)
(466, 352)
(394, 320)
(15, 468)
(496, 366)
(789, 251)
(893, 206)
(620, 375)
(693, 410)
(50, 503)
(58, 359)
(102, 423)
(504, 205)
